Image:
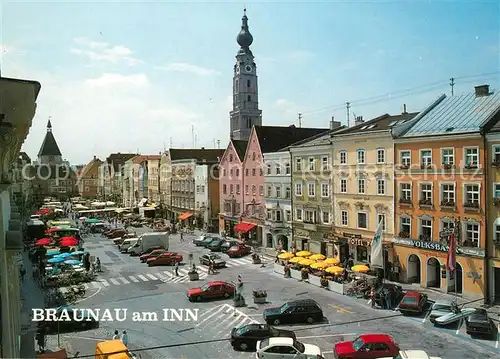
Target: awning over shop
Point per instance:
(243, 227)
(184, 216)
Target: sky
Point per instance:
(136, 77)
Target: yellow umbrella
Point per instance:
(331, 261)
(360, 268)
(303, 254)
(317, 257)
(306, 262)
(296, 259)
(286, 255)
(334, 270)
(319, 265)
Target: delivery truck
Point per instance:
(148, 242)
(112, 349)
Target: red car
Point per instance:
(211, 290)
(155, 253)
(413, 303)
(367, 346)
(166, 258)
(239, 250)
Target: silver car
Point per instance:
(440, 308)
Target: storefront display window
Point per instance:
(361, 254)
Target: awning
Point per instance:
(243, 227)
(184, 216)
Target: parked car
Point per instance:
(81, 320)
(211, 290)
(209, 257)
(207, 241)
(286, 348)
(294, 312)
(246, 337)
(367, 346)
(239, 251)
(215, 245)
(144, 257)
(439, 309)
(480, 324)
(127, 243)
(136, 224)
(167, 258)
(199, 240)
(413, 302)
(111, 231)
(228, 243)
(412, 354)
(118, 233)
(127, 235)
(147, 251)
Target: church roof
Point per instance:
(240, 146)
(275, 138)
(49, 144)
(201, 155)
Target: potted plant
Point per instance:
(447, 166)
(259, 296)
(256, 259)
(238, 300)
(193, 274)
(324, 282)
(304, 273)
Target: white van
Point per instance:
(148, 241)
(124, 246)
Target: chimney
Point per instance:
(358, 120)
(203, 148)
(482, 90)
(334, 124)
(95, 157)
(404, 109)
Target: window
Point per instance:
(278, 169)
(298, 164)
(405, 158)
(343, 186)
(405, 226)
(472, 195)
(248, 83)
(249, 98)
(287, 169)
(197, 204)
(344, 218)
(448, 194)
(202, 189)
(237, 189)
(343, 157)
(231, 172)
(298, 214)
(253, 171)
(311, 190)
(326, 217)
(425, 158)
(406, 191)
(278, 216)
(254, 190)
(247, 172)
(261, 190)
(198, 189)
(380, 187)
(380, 155)
(268, 166)
(497, 233)
(224, 189)
(426, 193)
(496, 190)
(425, 229)
(246, 189)
(361, 157)
(288, 192)
(269, 191)
(472, 157)
(448, 156)
(261, 171)
(496, 154)
(310, 216)
(324, 163)
(325, 190)
(231, 189)
(312, 164)
(381, 218)
(361, 185)
(278, 192)
(471, 235)
(288, 215)
(362, 220)
(237, 172)
(298, 189)
(230, 158)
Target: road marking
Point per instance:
(328, 352)
(84, 338)
(151, 276)
(90, 296)
(141, 277)
(96, 285)
(104, 282)
(231, 324)
(159, 275)
(340, 309)
(133, 279)
(242, 322)
(168, 273)
(124, 280)
(254, 315)
(426, 317)
(329, 336)
(213, 312)
(114, 281)
(459, 326)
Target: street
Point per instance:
(127, 283)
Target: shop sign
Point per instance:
(436, 246)
(182, 171)
(301, 233)
(329, 236)
(358, 242)
(351, 235)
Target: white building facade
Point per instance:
(278, 200)
(201, 195)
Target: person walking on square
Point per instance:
(40, 340)
(177, 269)
(124, 338)
(117, 335)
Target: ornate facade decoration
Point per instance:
(361, 174)
(302, 233)
(381, 208)
(406, 214)
(343, 204)
(360, 205)
(343, 174)
(427, 217)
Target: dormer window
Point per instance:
(230, 158)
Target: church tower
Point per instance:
(245, 111)
(49, 153)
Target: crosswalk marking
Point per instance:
(124, 280)
(168, 274)
(133, 279)
(114, 281)
(141, 277)
(96, 285)
(104, 282)
(151, 276)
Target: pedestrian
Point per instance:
(124, 338)
(117, 335)
(177, 269)
(22, 272)
(40, 340)
(389, 298)
(182, 237)
(98, 265)
(277, 258)
(372, 296)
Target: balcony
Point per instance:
(448, 205)
(425, 203)
(405, 202)
(471, 206)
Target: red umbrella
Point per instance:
(68, 241)
(43, 242)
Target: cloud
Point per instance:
(287, 110)
(102, 52)
(301, 55)
(188, 68)
(111, 80)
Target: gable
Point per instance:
(228, 153)
(253, 152)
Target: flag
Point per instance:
(377, 259)
(451, 259)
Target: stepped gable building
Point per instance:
(245, 113)
(88, 178)
(111, 173)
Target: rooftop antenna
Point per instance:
(218, 144)
(192, 136)
(452, 85)
(300, 120)
(171, 142)
(214, 143)
(195, 140)
(348, 108)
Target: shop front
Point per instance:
(494, 280)
(277, 236)
(424, 262)
(226, 226)
(310, 237)
(186, 219)
(248, 232)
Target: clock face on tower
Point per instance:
(248, 68)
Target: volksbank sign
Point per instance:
(436, 246)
